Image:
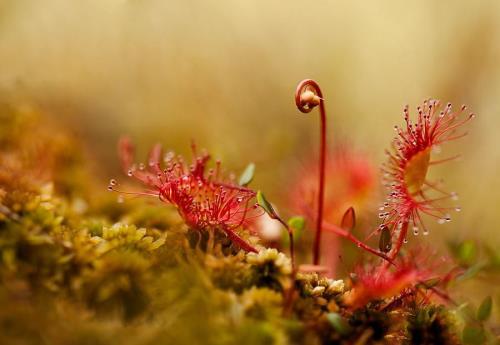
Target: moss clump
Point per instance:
(431, 325)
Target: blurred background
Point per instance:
(223, 73)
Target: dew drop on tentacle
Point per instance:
(425, 232)
(458, 209)
(112, 182)
(141, 166)
(130, 172)
(415, 230)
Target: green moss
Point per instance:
(431, 325)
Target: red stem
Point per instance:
(399, 242)
(397, 246)
(290, 236)
(321, 196)
(239, 241)
(289, 295)
(305, 107)
(346, 234)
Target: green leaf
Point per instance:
(266, 205)
(493, 255)
(385, 241)
(473, 335)
(247, 175)
(466, 311)
(297, 223)
(471, 272)
(338, 323)
(348, 219)
(467, 252)
(484, 310)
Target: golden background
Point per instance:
(224, 72)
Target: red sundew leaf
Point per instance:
(348, 219)
(408, 162)
(204, 204)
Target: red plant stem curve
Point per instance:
(306, 106)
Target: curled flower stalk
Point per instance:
(206, 200)
(411, 195)
(308, 95)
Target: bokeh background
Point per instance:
(224, 72)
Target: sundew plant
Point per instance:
(182, 257)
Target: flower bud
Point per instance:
(310, 99)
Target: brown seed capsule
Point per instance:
(310, 99)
